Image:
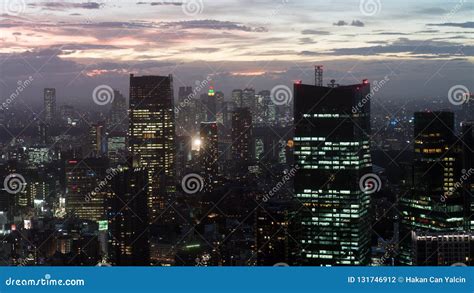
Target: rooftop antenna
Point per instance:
(318, 75)
(333, 84)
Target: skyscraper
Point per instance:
(185, 111)
(265, 109)
(433, 203)
(118, 116)
(127, 216)
(331, 148)
(237, 98)
(96, 142)
(152, 132)
(211, 105)
(468, 108)
(117, 147)
(242, 139)
(248, 99)
(85, 188)
(467, 142)
(209, 154)
(49, 105)
(443, 249)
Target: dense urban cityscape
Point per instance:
(257, 179)
(299, 167)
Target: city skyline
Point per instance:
(196, 133)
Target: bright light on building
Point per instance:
(196, 144)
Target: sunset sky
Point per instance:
(425, 47)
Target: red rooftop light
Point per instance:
(365, 81)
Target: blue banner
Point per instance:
(237, 279)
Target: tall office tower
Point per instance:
(118, 116)
(183, 155)
(468, 108)
(227, 112)
(184, 92)
(43, 133)
(85, 190)
(248, 99)
(220, 107)
(433, 203)
(264, 107)
(220, 98)
(242, 139)
(68, 115)
(443, 249)
(237, 98)
(201, 110)
(185, 115)
(209, 154)
(127, 216)
(271, 229)
(467, 142)
(117, 148)
(152, 133)
(96, 141)
(49, 105)
(332, 150)
(211, 105)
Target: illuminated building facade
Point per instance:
(49, 105)
(97, 141)
(237, 98)
(127, 216)
(248, 99)
(467, 142)
(151, 136)
(443, 249)
(118, 116)
(331, 148)
(433, 203)
(85, 193)
(209, 154)
(271, 229)
(242, 138)
(211, 105)
(185, 111)
(116, 148)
